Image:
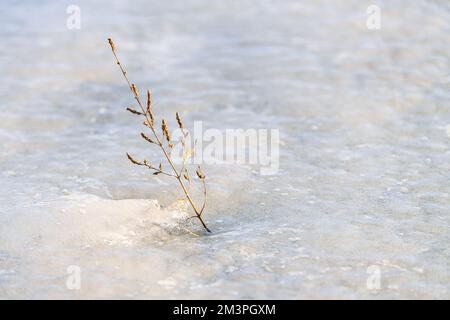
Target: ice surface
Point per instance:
(364, 157)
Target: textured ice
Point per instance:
(364, 120)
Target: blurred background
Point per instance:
(364, 120)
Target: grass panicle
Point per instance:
(182, 174)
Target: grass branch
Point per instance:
(149, 121)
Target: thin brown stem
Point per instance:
(204, 197)
(159, 171)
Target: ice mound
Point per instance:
(92, 220)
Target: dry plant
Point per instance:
(165, 144)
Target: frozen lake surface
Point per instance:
(364, 118)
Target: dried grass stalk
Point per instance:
(149, 121)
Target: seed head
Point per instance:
(135, 90)
(143, 135)
(180, 123)
(149, 107)
(134, 111)
(165, 130)
(133, 160)
(200, 173)
(111, 43)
